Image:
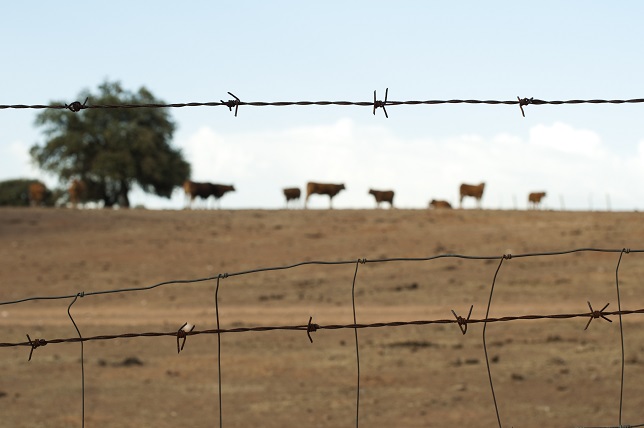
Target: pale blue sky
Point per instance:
(583, 155)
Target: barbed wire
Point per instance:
(312, 327)
(235, 103)
(189, 330)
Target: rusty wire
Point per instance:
(77, 106)
(313, 262)
(306, 328)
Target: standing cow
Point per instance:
(475, 191)
(204, 191)
(383, 196)
(534, 199)
(37, 192)
(291, 194)
(77, 192)
(322, 189)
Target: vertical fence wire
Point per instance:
(82, 359)
(355, 330)
(221, 421)
(621, 333)
(487, 360)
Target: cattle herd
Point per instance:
(293, 194)
(204, 190)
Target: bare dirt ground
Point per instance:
(545, 372)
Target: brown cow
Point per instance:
(322, 189)
(534, 199)
(383, 196)
(439, 204)
(77, 192)
(37, 192)
(292, 194)
(205, 190)
(475, 191)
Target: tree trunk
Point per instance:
(124, 200)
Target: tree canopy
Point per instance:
(111, 149)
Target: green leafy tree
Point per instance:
(112, 149)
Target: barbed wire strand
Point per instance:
(313, 262)
(76, 106)
(305, 327)
(82, 359)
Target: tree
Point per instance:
(111, 149)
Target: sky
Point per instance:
(585, 157)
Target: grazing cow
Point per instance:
(205, 190)
(475, 191)
(322, 189)
(292, 194)
(439, 204)
(534, 199)
(37, 192)
(77, 192)
(383, 196)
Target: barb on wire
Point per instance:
(76, 106)
(597, 314)
(232, 103)
(35, 344)
(182, 333)
(524, 102)
(462, 322)
(311, 328)
(380, 104)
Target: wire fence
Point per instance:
(235, 103)
(310, 327)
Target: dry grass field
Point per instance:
(545, 372)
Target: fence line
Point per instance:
(186, 330)
(77, 106)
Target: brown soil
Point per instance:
(545, 372)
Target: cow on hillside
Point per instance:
(534, 199)
(322, 189)
(383, 196)
(291, 194)
(77, 192)
(204, 191)
(475, 191)
(37, 192)
(436, 204)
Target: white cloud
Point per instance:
(563, 138)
